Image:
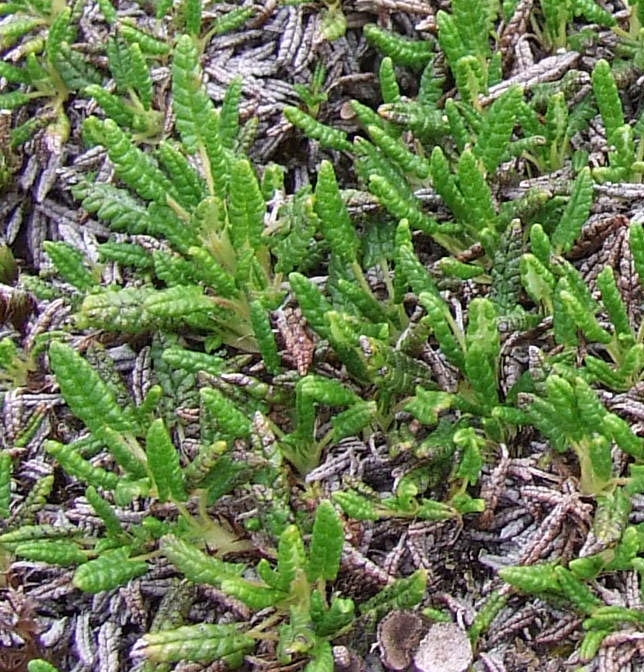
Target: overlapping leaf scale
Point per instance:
(196, 118)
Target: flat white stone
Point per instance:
(445, 648)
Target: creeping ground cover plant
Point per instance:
(315, 319)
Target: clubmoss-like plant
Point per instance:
(143, 451)
(571, 585)
(131, 107)
(464, 37)
(572, 416)
(218, 273)
(54, 70)
(411, 314)
(402, 51)
(556, 286)
(296, 588)
(558, 15)
(313, 95)
(548, 144)
(53, 75)
(189, 19)
(626, 159)
(482, 140)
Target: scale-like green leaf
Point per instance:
(70, 263)
(196, 118)
(197, 565)
(312, 302)
(202, 643)
(477, 196)
(326, 544)
(231, 421)
(229, 114)
(6, 468)
(135, 167)
(389, 88)
(325, 135)
(57, 552)
(246, 208)
(607, 97)
(335, 221)
(163, 461)
(40, 665)
(401, 50)
(576, 213)
(496, 131)
(265, 338)
(147, 43)
(110, 570)
(88, 396)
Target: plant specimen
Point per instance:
(324, 388)
(143, 449)
(218, 273)
(625, 160)
(313, 94)
(58, 70)
(334, 23)
(132, 109)
(295, 588)
(13, 367)
(557, 15)
(191, 20)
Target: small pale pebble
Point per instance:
(445, 648)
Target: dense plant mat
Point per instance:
(321, 328)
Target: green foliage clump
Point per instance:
(401, 323)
